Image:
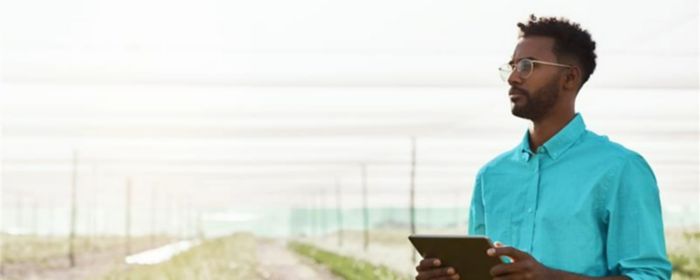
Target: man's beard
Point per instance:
(538, 106)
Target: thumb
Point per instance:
(505, 259)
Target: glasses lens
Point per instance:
(505, 71)
(524, 67)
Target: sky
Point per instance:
(222, 105)
(341, 43)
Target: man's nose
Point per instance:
(514, 78)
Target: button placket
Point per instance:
(531, 200)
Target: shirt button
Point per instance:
(529, 210)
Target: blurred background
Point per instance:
(139, 138)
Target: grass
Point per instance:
(42, 249)
(682, 247)
(381, 236)
(229, 257)
(345, 267)
(684, 254)
(234, 257)
(685, 267)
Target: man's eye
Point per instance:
(524, 66)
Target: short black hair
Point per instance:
(570, 40)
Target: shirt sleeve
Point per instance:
(635, 234)
(477, 224)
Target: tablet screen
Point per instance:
(466, 254)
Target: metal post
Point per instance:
(412, 206)
(339, 212)
(127, 218)
(365, 210)
(153, 215)
(73, 212)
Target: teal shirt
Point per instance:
(580, 203)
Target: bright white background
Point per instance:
(222, 105)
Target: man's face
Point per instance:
(533, 97)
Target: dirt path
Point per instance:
(276, 262)
(88, 266)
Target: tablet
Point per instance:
(466, 254)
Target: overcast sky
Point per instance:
(319, 42)
(268, 102)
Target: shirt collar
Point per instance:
(558, 144)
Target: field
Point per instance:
(392, 249)
(684, 252)
(231, 257)
(42, 257)
(246, 256)
(346, 267)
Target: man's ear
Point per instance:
(572, 79)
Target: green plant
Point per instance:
(229, 257)
(685, 266)
(343, 266)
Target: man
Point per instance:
(572, 204)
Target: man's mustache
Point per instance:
(519, 91)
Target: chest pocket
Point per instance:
(504, 204)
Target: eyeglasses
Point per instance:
(524, 67)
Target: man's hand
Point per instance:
(523, 266)
(430, 269)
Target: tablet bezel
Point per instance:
(466, 254)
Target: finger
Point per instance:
(504, 259)
(438, 273)
(432, 274)
(452, 277)
(425, 275)
(508, 251)
(508, 277)
(429, 263)
(505, 269)
(507, 259)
